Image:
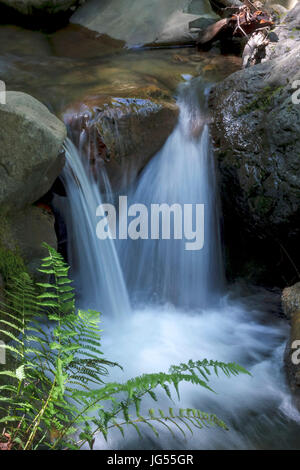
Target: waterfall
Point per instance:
(95, 263)
(181, 173)
(169, 285)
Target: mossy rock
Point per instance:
(11, 264)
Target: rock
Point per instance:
(17, 41)
(291, 300)
(287, 36)
(144, 22)
(30, 7)
(122, 133)
(292, 358)
(88, 43)
(256, 131)
(30, 153)
(288, 4)
(41, 13)
(25, 233)
(277, 8)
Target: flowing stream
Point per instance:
(180, 307)
(181, 173)
(98, 275)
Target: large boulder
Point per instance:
(30, 7)
(31, 154)
(256, 131)
(29, 229)
(141, 22)
(121, 133)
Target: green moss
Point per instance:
(11, 264)
(262, 101)
(262, 204)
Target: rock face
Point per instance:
(30, 153)
(291, 300)
(289, 4)
(30, 161)
(256, 131)
(29, 230)
(122, 134)
(29, 7)
(140, 22)
(291, 307)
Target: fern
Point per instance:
(56, 394)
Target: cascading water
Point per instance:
(181, 173)
(180, 311)
(98, 275)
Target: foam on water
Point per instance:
(180, 310)
(257, 409)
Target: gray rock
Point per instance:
(30, 159)
(256, 131)
(140, 22)
(289, 4)
(292, 357)
(50, 7)
(122, 133)
(29, 229)
(291, 300)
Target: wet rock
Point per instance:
(29, 7)
(292, 357)
(28, 230)
(122, 133)
(288, 4)
(291, 300)
(256, 131)
(141, 22)
(88, 43)
(38, 13)
(30, 159)
(18, 41)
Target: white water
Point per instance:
(181, 173)
(244, 329)
(180, 312)
(98, 276)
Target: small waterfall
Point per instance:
(182, 173)
(239, 326)
(95, 263)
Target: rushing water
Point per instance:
(98, 275)
(180, 310)
(181, 173)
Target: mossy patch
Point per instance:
(11, 264)
(262, 101)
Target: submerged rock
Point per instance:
(30, 159)
(121, 133)
(256, 131)
(142, 22)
